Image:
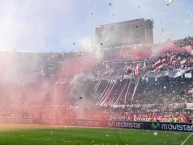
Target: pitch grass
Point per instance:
(47, 135)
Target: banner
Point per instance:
(168, 126)
(161, 117)
(125, 124)
(152, 126)
(73, 122)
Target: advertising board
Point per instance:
(168, 126)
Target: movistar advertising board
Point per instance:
(168, 126)
(125, 124)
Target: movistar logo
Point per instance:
(155, 126)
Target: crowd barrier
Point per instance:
(164, 126)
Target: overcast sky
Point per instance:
(69, 25)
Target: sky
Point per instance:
(69, 25)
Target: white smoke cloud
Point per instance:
(88, 44)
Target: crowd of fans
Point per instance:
(164, 81)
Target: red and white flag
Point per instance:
(158, 63)
(164, 61)
(173, 59)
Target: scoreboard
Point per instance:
(137, 31)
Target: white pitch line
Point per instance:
(187, 139)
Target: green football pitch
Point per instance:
(54, 135)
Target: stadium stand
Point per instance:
(160, 84)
